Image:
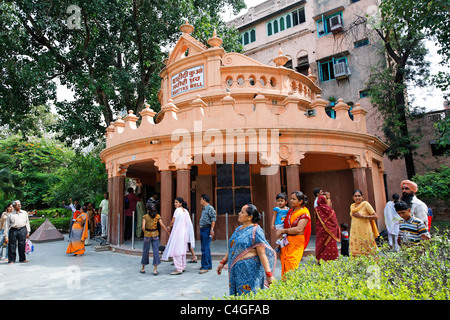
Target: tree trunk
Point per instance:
(401, 109)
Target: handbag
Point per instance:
(29, 247)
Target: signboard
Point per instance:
(192, 78)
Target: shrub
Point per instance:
(50, 213)
(62, 224)
(418, 272)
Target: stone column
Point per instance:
(116, 189)
(360, 181)
(167, 198)
(292, 179)
(184, 186)
(273, 187)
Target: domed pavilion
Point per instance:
(241, 132)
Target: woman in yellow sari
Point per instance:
(363, 230)
(79, 233)
(297, 226)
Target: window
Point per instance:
(363, 94)
(302, 65)
(325, 28)
(330, 112)
(286, 21)
(288, 64)
(437, 150)
(248, 36)
(361, 43)
(326, 70)
(233, 187)
(298, 16)
(275, 26)
(253, 35)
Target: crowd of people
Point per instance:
(407, 220)
(250, 258)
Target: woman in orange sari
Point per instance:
(79, 233)
(297, 226)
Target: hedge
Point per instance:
(419, 272)
(62, 224)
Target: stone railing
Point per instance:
(288, 115)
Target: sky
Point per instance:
(430, 98)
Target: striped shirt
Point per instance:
(411, 230)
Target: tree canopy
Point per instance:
(108, 52)
(402, 27)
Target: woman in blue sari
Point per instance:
(250, 257)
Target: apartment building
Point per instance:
(333, 40)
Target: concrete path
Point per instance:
(105, 275)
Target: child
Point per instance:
(328, 197)
(98, 225)
(344, 240)
(278, 215)
(392, 222)
(411, 229)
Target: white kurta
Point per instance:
(391, 218)
(182, 233)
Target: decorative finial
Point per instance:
(312, 77)
(187, 28)
(215, 42)
(281, 59)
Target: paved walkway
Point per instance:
(105, 275)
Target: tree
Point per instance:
(434, 185)
(27, 168)
(83, 178)
(443, 133)
(402, 28)
(109, 52)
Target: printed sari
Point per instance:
(363, 232)
(247, 275)
(328, 232)
(292, 253)
(78, 234)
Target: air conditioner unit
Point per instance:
(336, 24)
(341, 70)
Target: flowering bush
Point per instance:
(418, 272)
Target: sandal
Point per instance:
(142, 271)
(155, 273)
(176, 272)
(193, 261)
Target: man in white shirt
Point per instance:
(317, 192)
(418, 208)
(17, 230)
(103, 210)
